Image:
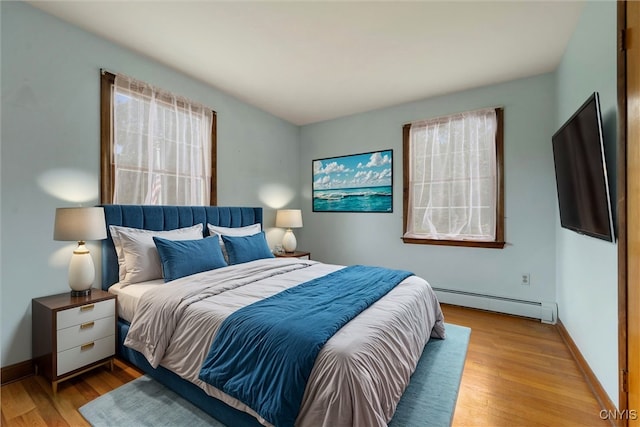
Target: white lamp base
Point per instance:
(289, 242)
(81, 271)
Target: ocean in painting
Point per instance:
(364, 199)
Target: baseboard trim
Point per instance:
(18, 371)
(547, 312)
(598, 391)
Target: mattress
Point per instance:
(129, 296)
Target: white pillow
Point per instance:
(138, 258)
(216, 230)
(118, 246)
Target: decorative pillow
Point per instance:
(216, 230)
(181, 258)
(137, 255)
(247, 248)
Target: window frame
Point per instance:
(107, 167)
(499, 241)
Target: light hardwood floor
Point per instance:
(518, 373)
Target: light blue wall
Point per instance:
(50, 120)
(349, 238)
(586, 268)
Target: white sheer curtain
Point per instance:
(452, 177)
(162, 146)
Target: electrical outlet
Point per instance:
(525, 279)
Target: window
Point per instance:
(453, 180)
(156, 148)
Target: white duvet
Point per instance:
(360, 373)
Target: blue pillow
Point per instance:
(246, 248)
(181, 258)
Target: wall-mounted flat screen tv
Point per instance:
(581, 173)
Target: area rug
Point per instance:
(430, 398)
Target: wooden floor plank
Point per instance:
(518, 372)
(15, 400)
(32, 418)
(37, 389)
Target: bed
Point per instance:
(358, 375)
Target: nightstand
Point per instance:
(71, 335)
(295, 254)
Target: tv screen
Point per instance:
(581, 173)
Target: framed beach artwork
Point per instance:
(354, 183)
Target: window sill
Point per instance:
(466, 243)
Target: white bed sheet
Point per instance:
(129, 296)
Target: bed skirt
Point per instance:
(194, 394)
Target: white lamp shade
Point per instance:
(79, 224)
(289, 218)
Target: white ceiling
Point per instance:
(308, 61)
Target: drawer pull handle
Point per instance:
(87, 307)
(87, 325)
(87, 346)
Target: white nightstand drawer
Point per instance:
(85, 313)
(80, 356)
(92, 330)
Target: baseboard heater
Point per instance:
(547, 312)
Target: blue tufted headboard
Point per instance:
(167, 218)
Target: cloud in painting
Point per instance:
(333, 167)
(371, 178)
(376, 159)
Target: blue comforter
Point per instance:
(263, 354)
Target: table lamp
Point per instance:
(80, 224)
(289, 218)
